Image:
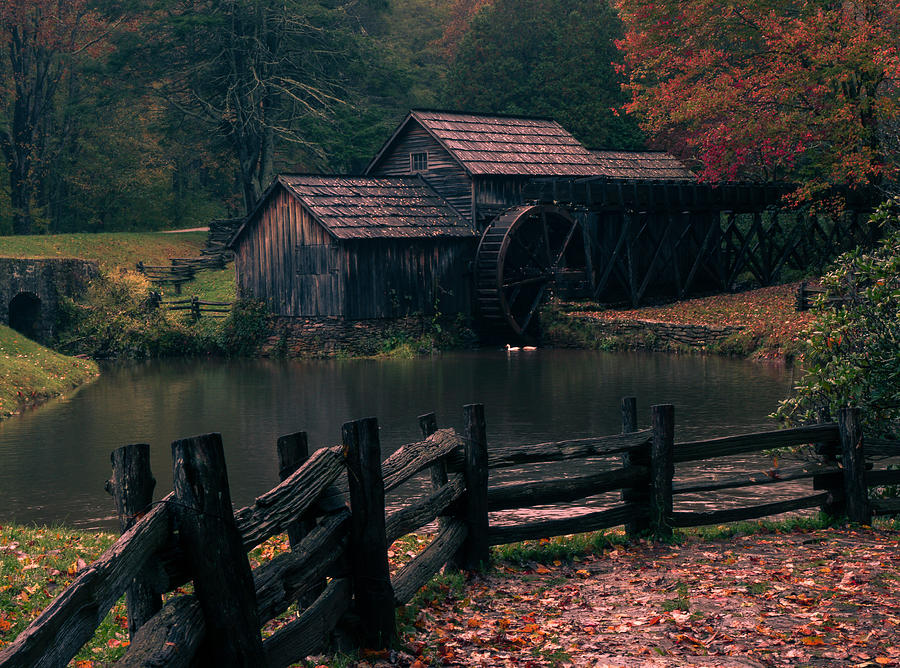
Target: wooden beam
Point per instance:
(215, 553)
(373, 596)
(132, 487)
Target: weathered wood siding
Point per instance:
(290, 261)
(444, 174)
(388, 278)
(494, 195)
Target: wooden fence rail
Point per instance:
(195, 305)
(337, 568)
(805, 296)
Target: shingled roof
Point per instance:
(642, 165)
(354, 207)
(504, 145)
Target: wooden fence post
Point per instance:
(215, 554)
(372, 591)
(802, 297)
(293, 451)
(854, 466)
(639, 494)
(428, 425)
(132, 486)
(475, 551)
(834, 504)
(662, 468)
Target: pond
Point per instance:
(55, 459)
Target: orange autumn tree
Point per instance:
(769, 90)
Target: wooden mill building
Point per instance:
(480, 163)
(355, 247)
(440, 222)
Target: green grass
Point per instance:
(126, 249)
(31, 373)
(681, 601)
(571, 548)
(560, 548)
(212, 286)
(110, 249)
(36, 564)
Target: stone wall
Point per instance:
(335, 336)
(653, 334)
(42, 283)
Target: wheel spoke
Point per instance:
(531, 254)
(527, 281)
(511, 299)
(534, 305)
(562, 250)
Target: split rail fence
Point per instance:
(195, 305)
(807, 295)
(337, 569)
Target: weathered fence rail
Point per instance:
(195, 305)
(182, 269)
(337, 568)
(806, 295)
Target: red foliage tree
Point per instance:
(461, 14)
(769, 89)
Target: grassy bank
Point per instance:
(788, 592)
(31, 373)
(110, 249)
(766, 322)
(123, 250)
(115, 317)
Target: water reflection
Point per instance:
(56, 459)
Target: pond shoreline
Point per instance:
(31, 374)
(760, 324)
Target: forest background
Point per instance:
(126, 115)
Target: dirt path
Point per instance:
(822, 598)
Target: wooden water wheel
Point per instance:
(519, 257)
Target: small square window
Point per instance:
(418, 162)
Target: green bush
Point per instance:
(852, 353)
(118, 319)
(245, 329)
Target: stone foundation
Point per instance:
(335, 336)
(657, 335)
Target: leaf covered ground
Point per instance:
(771, 326)
(783, 597)
(827, 597)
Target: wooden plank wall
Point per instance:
(444, 174)
(389, 278)
(495, 194)
(269, 266)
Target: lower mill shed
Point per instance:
(355, 247)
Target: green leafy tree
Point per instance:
(547, 58)
(851, 356)
(257, 73)
(43, 46)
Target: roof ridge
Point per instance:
(483, 114)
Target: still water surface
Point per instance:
(56, 459)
